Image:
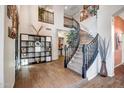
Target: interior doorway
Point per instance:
(62, 41)
(61, 46)
(118, 40)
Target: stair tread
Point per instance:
(78, 70)
(77, 59)
(78, 56)
(76, 64)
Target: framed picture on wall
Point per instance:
(12, 14)
(117, 41)
(8, 11)
(11, 33)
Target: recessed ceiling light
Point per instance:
(66, 7)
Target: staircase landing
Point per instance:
(85, 37)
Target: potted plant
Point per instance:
(71, 36)
(103, 49)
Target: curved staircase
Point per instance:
(76, 62)
(82, 52)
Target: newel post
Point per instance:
(65, 58)
(84, 63)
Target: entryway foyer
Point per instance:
(47, 75)
(53, 46)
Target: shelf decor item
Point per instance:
(103, 49)
(31, 44)
(71, 36)
(23, 50)
(37, 31)
(11, 33)
(38, 44)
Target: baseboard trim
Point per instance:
(93, 76)
(118, 65)
(111, 75)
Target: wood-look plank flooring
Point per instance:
(46, 75)
(54, 75)
(107, 82)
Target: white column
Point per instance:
(2, 46)
(58, 24)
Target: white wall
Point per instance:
(29, 16)
(104, 28)
(25, 19)
(9, 55)
(58, 16)
(90, 25)
(122, 15)
(1, 46)
(7, 50)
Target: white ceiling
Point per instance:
(72, 9)
(122, 15)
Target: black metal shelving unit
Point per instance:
(35, 49)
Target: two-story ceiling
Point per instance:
(69, 10)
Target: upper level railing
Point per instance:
(72, 47)
(45, 16)
(68, 22)
(88, 11)
(90, 52)
(71, 23)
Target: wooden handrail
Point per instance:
(73, 47)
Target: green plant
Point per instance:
(71, 36)
(93, 10)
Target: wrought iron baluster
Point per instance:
(65, 60)
(84, 62)
(90, 52)
(67, 54)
